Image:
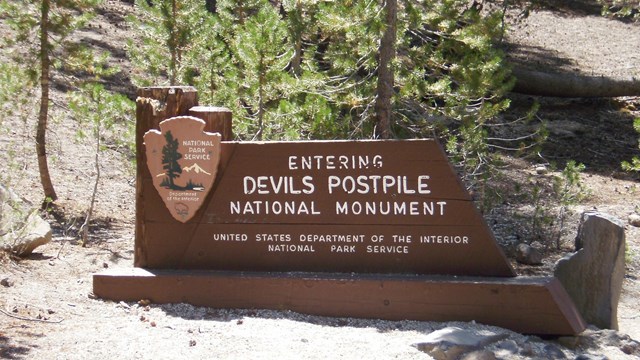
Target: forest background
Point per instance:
(288, 70)
(297, 70)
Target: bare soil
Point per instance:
(48, 310)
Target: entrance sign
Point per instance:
(379, 229)
(329, 206)
(183, 161)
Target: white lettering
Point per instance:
(260, 207)
(388, 249)
(264, 185)
(378, 184)
(413, 208)
(444, 239)
(332, 162)
(290, 248)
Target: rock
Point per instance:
(479, 355)
(526, 254)
(594, 338)
(453, 342)
(621, 341)
(570, 342)
(537, 245)
(566, 128)
(509, 346)
(591, 357)
(630, 347)
(552, 351)
(634, 220)
(21, 228)
(593, 275)
(541, 170)
(527, 350)
(6, 282)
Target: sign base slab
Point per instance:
(530, 305)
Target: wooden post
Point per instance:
(218, 120)
(153, 105)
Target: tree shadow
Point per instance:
(572, 7)
(38, 257)
(93, 38)
(597, 132)
(66, 81)
(563, 7)
(119, 82)
(112, 16)
(537, 58)
(8, 350)
(544, 59)
(102, 229)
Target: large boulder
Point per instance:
(593, 275)
(21, 228)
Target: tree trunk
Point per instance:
(387, 53)
(262, 69)
(43, 115)
(84, 229)
(173, 43)
(570, 85)
(211, 6)
(296, 60)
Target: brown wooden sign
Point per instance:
(327, 206)
(337, 228)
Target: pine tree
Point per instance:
(212, 66)
(634, 165)
(254, 37)
(170, 157)
(465, 74)
(101, 111)
(350, 38)
(308, 111)
(53, 22)
(166, 29)
(386, 57)
(260, 50)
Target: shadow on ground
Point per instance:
(596, 132)
(8, 350)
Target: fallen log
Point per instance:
(570, 85)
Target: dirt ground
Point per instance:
(48, 310)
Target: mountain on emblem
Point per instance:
(184, 160)
(196, 169)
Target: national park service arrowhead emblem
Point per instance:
(183, 161)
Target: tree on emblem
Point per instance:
(170, 157)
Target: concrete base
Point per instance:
(528, 305)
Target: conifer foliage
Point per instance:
(166, 30)
(296, 69)
(309, 69)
